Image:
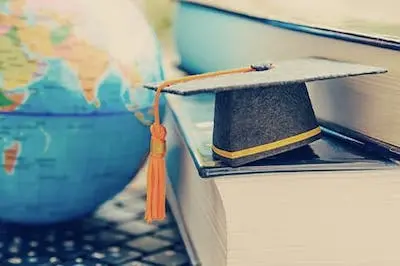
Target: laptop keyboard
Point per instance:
(115, 235)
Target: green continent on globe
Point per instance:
(60, 34)
(4, 101)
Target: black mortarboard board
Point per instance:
(266, 111)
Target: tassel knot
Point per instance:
(157, 145)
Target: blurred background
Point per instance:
(160, 15)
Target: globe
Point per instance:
(74, 116)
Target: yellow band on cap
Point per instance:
(267, 147)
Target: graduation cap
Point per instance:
(260, 111)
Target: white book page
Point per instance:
(376, 18)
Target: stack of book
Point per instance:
(210, 38)
(334, 202)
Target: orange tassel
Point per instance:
(155, 206)
(156, 174)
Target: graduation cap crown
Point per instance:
(260, 111)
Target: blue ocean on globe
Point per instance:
(76, 130)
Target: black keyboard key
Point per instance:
(168, 221)
(103, 238)
(133, 203)
(180, 248)
(137, 263)
(171, 234)
(68, 249)
(137, 208)
(83, 262)
(19, 247)
(114, 215)
(148, 244)
(169, 257)
(32, 260)
(91, 224)
(116, 255)
(115, 235)
(130, 196)
(137, 228)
